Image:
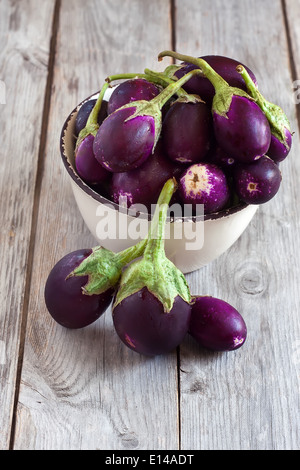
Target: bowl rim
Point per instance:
(104, 200)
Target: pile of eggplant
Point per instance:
(203, 122)
(201, 131)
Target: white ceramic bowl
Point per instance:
(190, 242)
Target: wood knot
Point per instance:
(129, 440)
(251, 278)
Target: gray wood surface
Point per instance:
(25, 33)
(83, 389)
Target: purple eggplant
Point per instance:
(257, 182)
(84, 112)
(187, 132)
(280, 145)
(151, 310)
(240, 126)
(243, 132)
(128, 136)
(145, 327)
(281, 136)
(64, 298)
(218, 157)
(224, 66)
(86, 164)
(216, 325)
(144, 184)
(204, 183)
(131, 90)
(123, 144)
(81, 285)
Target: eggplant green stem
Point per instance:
(166, 80)
(206, 69)
(153, 78)
(93, 117)
(156, 236)
(104, 267)
(92, 125)
(275, 115)
(124, 76)
(173, 88)
(251, 87)
(126, 256)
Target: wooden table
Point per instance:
(83, 389)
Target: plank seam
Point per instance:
(35, 210)
(293, 68)
(173, 26)
(173, 47)
(179, 398)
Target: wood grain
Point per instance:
(25, 33)
(84, 389)
(246, 399)
(64, 389)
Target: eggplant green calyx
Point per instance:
(153, 107)
(223, 91)
(164, 79)
(161, 79)
(92, 125)
(104, 267)
(170, 71)
(277, 119)
(154, 270)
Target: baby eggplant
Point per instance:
(64, 297)
(257, 182)
(216, 325)
(86, 164)
(151, 310)
(131, 90)
(281, 136)
(204, 183)
(84, 112)
(187, 131)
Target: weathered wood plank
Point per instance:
(25, 33)
(292, 14)
(249, 399)
(84, 389)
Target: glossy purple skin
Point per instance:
(216, 325)
(122, 146)
(187, 132)
(257, 182)
(224, 66)
(218, 157)
(143, 185)
(131, 90)
(277, 150)
(143, 326)
(204, 183)
(87, 167)
(64, 298)
(244, 133)
(84, 112)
